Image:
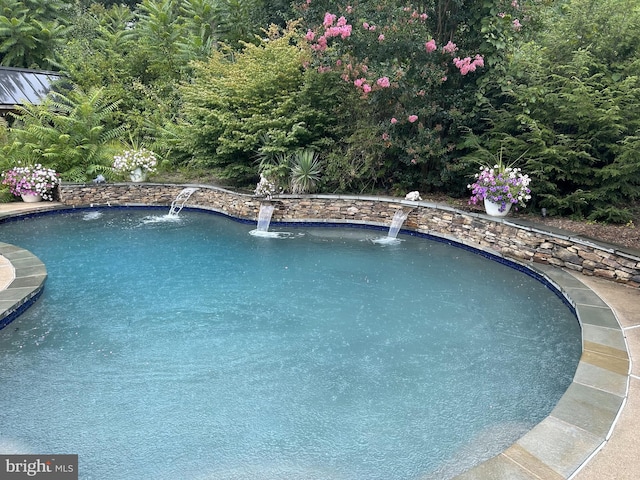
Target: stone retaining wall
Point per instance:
(508, 237)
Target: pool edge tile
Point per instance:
(26, 287)
(589, 409)
(501, 467)
(601, 379)
(608, 338)
(561, 446)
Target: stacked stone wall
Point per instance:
(502, 236)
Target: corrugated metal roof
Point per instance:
(20, 85)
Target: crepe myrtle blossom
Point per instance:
(430, 46)
(412, 118)
(341, 29)
(466, 65)
(517, 25)
(383, 82)
(362, 84)
(333, 27)
(329, 18)
(450, 47)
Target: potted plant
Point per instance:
(136, 163)
(31, 182)
(265, 188)
(500, 187)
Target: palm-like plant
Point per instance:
(305, 171)
(68, 132)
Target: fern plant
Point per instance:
(69, 132)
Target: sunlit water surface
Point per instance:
(188, 349)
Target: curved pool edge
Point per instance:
(25, 287)
(583, 420)
(580, 424)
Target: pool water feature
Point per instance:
(396, 223)
(264, 220)
(190, 349)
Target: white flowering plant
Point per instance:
(265, 188)
(129, 160)
(31, 180)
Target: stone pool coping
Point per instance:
(22, 277)
(558, 447)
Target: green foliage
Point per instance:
(195, 81)
(305, 171)
(67, 132)
(31, 32)
(573, 105)
(237, 100)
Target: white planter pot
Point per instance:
(493, 208)
(31, 198)
(138, 175)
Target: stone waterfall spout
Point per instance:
(264, 219)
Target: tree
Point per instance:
(31, 31)
(570, 105)
(420, 93)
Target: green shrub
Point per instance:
(237, 99)
(69, 132)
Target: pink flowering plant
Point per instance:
(502, 184)
(31, 180)
(129, 160)
(399, 67)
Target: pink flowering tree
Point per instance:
(412, 83)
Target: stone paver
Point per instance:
(619, 459)
(7, 273)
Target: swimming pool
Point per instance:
(322, 355)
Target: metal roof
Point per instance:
(21, 85)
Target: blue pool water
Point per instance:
(190, 349)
